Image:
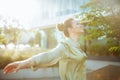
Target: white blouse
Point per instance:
(71, 60)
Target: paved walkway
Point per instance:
(93, 65)
(110, 72)
(52, 74)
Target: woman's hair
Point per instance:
(64, 27)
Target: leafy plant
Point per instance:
(3, 39)
(103, 18)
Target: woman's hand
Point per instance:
(14, 67)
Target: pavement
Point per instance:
(103, 70)
(93, 65)
(96, 70)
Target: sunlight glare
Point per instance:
(23, 10)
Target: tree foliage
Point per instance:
(9, 31)
(3, 39)
(103, 17)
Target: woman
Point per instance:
(71, 60)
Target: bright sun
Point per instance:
(23, 10)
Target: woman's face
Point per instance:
(77, 27)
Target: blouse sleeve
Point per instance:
(50, 56)
(74, 53)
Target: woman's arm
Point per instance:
(47, 57)
(42, 58)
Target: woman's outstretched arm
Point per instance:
(41, 58)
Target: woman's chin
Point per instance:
(81, 31)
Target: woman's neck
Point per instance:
(74, 37)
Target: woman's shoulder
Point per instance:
(67, 42)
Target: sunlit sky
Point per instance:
(30, 13)
(23, 10)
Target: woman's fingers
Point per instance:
(14, 67)
(10, 68)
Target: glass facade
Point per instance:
(56, 8)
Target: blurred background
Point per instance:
(28, 27)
